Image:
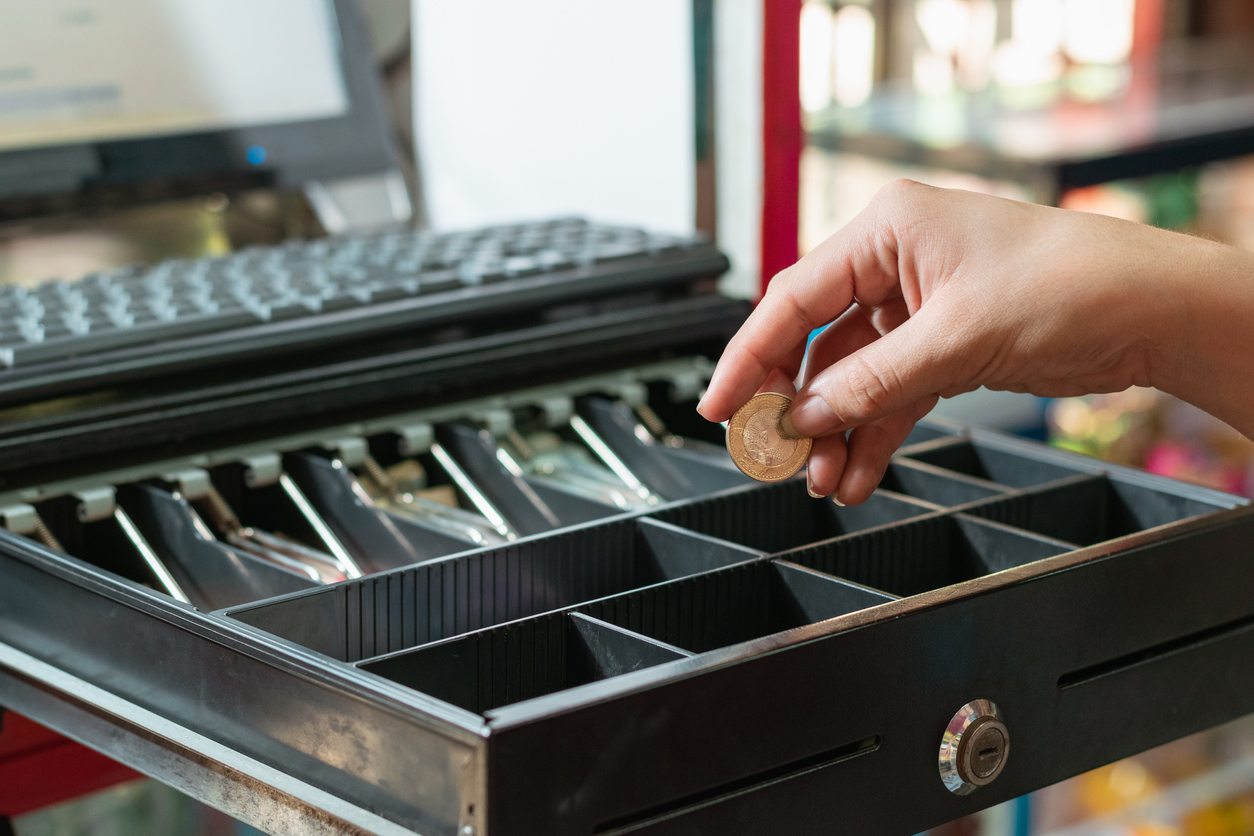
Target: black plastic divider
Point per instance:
(925, 554)
(1090, 509)
(376, 539)
(454, 595)
(675, 552)
(933, 484)
(532, 657)
(783, 515)
(515, 662)
(213, 574)
(992, 464)
(925, 431)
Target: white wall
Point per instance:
(738, 141)
(545, 108)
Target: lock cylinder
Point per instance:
(974, 747)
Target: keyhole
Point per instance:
(988, 756)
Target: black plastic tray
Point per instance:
(712, 664)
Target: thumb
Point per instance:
(905, 365)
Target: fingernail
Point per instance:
(701, 403)
(786, 429)
(810, 488)
(807, 418)
(836, 499)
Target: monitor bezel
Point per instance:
(141, 170)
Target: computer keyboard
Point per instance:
(357, 283)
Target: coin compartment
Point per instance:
(782, 515)
(991, 464)
(937, 485)
(666, 622)
(503, 665)
(927, 553)
(454, 595)
(1090, 509)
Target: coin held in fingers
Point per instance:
(755, 443)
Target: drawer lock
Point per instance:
(974, 748)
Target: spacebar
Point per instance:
(89, 343)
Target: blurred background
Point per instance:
(766, 125)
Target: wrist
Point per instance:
(1204, 349)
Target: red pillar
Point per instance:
(781, 134)
(39, 767)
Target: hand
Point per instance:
(933, 292)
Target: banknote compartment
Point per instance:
(1092, 509)
(529, 507)
(379, 539)
(264, 503)
(443, 598)
(100, 539)
(670, 477)
(782, 515)
(212, 574)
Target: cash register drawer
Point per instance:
(686, 653)
(748, 659)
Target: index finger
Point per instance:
(858, 260)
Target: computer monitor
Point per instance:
(114, 101)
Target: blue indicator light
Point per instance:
(255, 154)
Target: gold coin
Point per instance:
(755, 444)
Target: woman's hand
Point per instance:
(933, 292)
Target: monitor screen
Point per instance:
(106, 101)
(94, 70)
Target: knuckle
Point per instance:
(898, 190)
(873, 386)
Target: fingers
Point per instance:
(780, 382)
(860, 261)
(850, 332)
(870, 447)
(914, 361)
(825, 465)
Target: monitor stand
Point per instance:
(363, 203)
